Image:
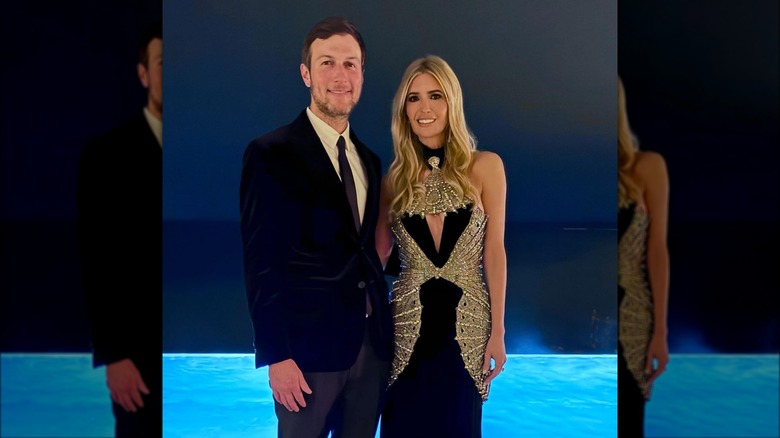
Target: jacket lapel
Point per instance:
(313, 154)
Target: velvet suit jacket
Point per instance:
(119, 210)
(307, 269)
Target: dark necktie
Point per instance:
(348, 180)
(349, 187)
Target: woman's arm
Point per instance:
(652, 173)
(384, 237)
(489, 174)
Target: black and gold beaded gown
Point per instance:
(635, 300)
(441, 313)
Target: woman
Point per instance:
(443, 205)
(643, 274)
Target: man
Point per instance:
(315, 287)
(120, 227)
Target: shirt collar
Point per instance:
(155, 124)
(326, 133)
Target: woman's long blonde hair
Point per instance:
(628, 145)
(403, 176)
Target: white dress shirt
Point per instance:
(155, 124)
(329, 136)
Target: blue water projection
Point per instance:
(222, 395)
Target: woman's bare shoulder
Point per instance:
(650, 164)
(487, 161)
(650, 159)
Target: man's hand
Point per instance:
(287, 383)
(125, 384)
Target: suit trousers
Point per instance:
(146, 422)
(345, 403)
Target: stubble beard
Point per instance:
(325, 108)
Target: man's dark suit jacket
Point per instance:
(307, 269)
(119, 200)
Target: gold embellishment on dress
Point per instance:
(464, 269)
(636, 310)
(439, 196)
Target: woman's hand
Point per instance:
(657, 358)
(496, 350)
